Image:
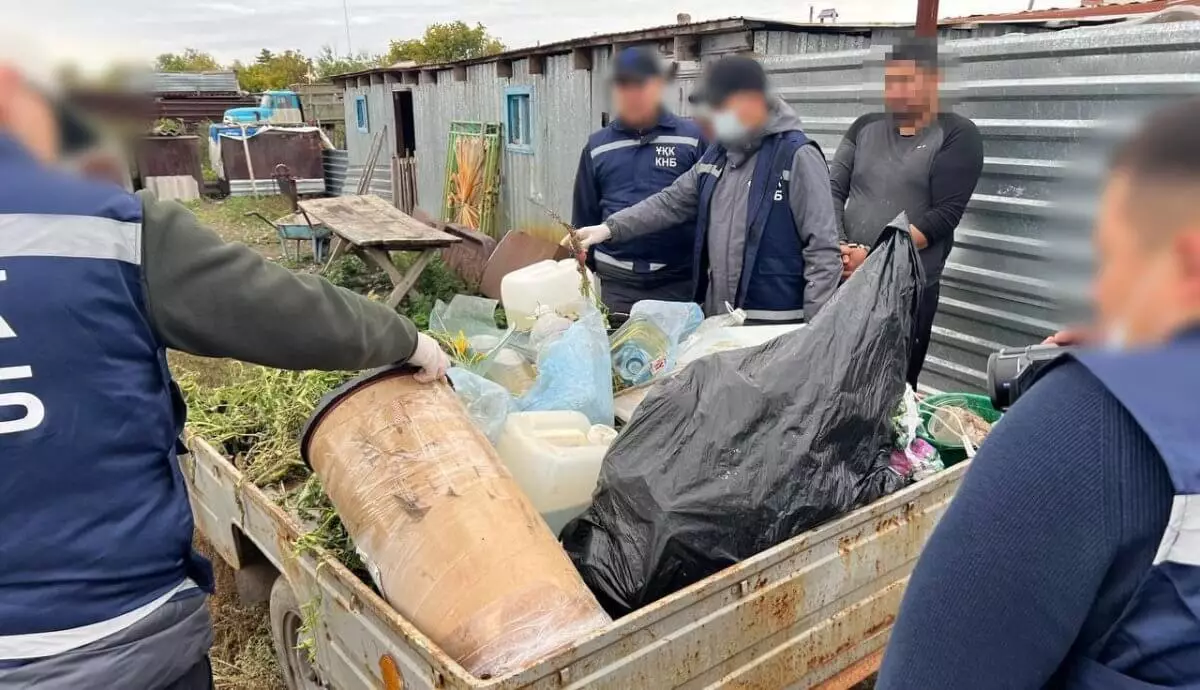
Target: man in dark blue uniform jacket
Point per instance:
(1070, 556)
(640, 153)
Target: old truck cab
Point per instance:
(275, 107)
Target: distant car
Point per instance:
(275, 107)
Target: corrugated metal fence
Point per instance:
(342, 178)
(1037, 100)
(190, 82)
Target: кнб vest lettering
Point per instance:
(34, 411)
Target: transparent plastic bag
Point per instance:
(647, 345)
(488, 403)
(467, 328)
(916, 461)
(575, 372)
(549, 326)
(907, 419)
(677, 319)
(731, 318)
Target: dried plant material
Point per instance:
(467, 181)
(952, 424)
(585, 283)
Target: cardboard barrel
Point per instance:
(452, 542)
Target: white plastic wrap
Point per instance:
(459, 549)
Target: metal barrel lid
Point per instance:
(333, 397)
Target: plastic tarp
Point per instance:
(745, 449)
(575, 372)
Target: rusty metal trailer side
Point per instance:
(814, 611)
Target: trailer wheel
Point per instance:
(286, 621)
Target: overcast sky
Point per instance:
(100, 31)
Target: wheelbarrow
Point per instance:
(295, 226)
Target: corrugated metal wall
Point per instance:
(563, 117)
(797, 43)
(435, 106)
(1034, 97)
(343, 178)
(568, 105)
(381, 111)
(1037, 100)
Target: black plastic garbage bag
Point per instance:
(745, 449)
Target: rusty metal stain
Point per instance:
(888, 524)
(846, 546)
(854, 674)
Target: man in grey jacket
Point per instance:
(766, 238)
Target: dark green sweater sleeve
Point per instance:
(214, 298)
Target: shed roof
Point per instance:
(1108, 12)
(656, 33)
(200, 82)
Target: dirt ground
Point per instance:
(243, 657)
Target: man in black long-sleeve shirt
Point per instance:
(911, 159)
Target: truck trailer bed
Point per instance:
(814, 611)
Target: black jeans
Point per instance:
(922, 329)
(620, 290)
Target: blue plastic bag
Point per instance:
(487, 403)
(575, 373)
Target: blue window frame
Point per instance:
(518, 110)
(360, 113)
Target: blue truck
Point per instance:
(274, 107)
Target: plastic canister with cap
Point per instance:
(549, 283)
(555, 458)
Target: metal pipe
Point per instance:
(249, 163)
(927, 18)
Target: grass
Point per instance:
(228, 218)
(436, 282)
(256, 416)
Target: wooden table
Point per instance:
(372, 228)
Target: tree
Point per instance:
(327, 63)
(445, 43)
(273, 71)
(190, 60)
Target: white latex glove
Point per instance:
(589, 236)
(429, 357)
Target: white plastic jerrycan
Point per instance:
(555, 458)
(550, 283)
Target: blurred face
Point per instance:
(27, 116)
(909, 91)
(637, 103)
(749, 107)
(703, 118)
(1147, 282)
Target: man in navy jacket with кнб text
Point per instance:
(640, 153)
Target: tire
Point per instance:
(286, 620)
